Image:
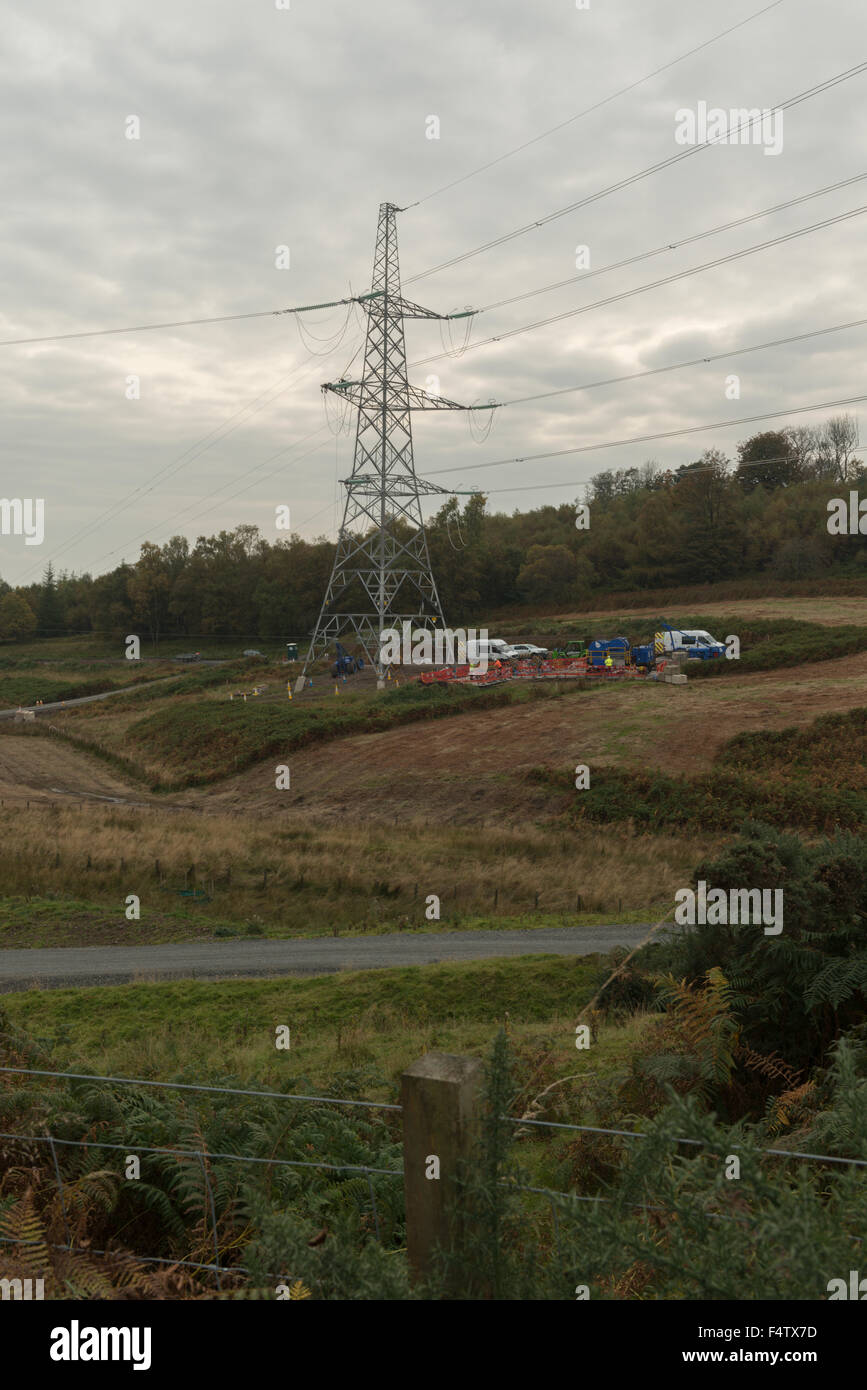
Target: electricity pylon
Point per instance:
(382, 573)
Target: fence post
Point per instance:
(441, 1101)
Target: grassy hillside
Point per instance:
(813, 778)
(188, 743)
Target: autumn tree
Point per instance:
(148, 587)
(767, 460)
(17, 618)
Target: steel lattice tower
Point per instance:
(382, 572)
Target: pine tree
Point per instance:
(49, 615)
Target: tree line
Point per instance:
(762, 514)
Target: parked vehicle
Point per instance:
(490, 650)
(345, 665)
(523, 650)
(698, 644)
(571, 649)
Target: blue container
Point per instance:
(601, 646)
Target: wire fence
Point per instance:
(201, 883)
(386, 1105)
(199, 1154)
(202, 1156)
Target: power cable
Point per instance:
(638, 439)
(597, 105)
(630, 179)
(189, 455)
(690, 362)
(230, 496)
(655, 284)
(181, 323)
(671, 245)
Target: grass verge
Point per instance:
(381, 1019)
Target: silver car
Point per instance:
(525, 650)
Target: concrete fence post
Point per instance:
(441, 1099)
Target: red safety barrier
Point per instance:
(448, 673)
(550, 669)
(492, 675)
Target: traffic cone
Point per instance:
(289, 689)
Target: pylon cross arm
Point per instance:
(423, 400)
(360, 394)
(417, 311)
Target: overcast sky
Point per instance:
(263, 127)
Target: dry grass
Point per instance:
(825, 609)
(322, 877)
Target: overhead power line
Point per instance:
(654, 284)
(241, 491)
(179, 516)
(630, 179)
(690, 362)
(187, 323)
(189, 455)
(597, 105)
(533, 487)
(642, 439)
(674, 245)
(248, 485)
(633, 376)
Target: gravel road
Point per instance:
(39, 710)
(51, 967)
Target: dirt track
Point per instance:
(43, 770)
(52, 771)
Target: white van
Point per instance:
(485, 653)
